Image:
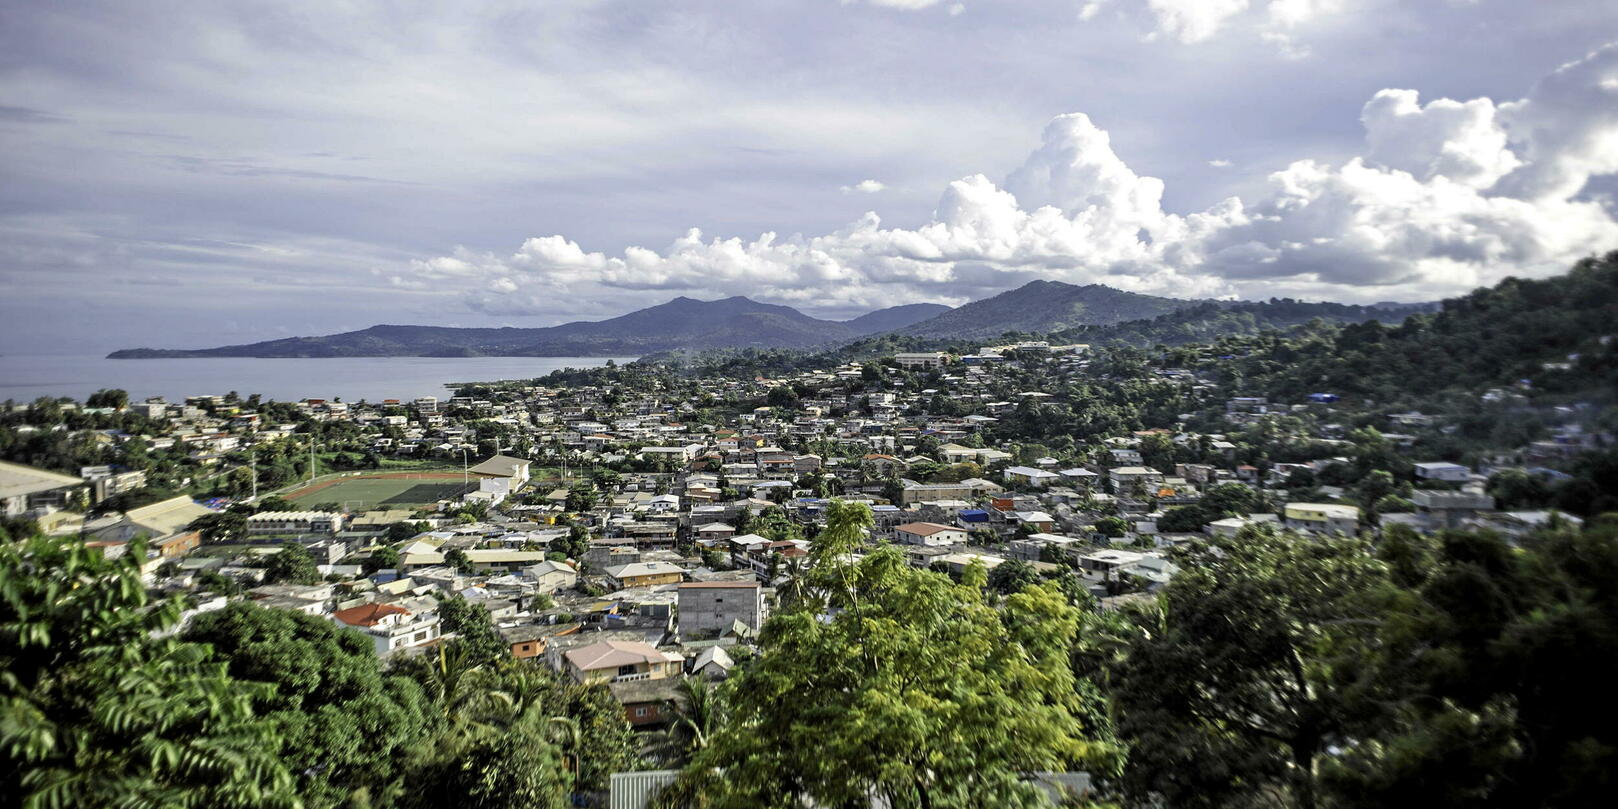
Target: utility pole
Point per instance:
(311, 457)
(252, 460)
(466, 473)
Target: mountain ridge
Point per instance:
(1043, 306)
(680, 323)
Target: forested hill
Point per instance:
(1557, 335)
(1210, 320)
(1042, 306)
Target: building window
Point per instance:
(641, 712)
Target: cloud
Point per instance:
(1191, 21)
(903, 5)
(29, 115)
(1194, 21)
(1448, 195)
(1220, 163)
(864, 187)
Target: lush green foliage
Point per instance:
(345, 724)
(97, 712)
(916, 690)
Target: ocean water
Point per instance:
(24, 378)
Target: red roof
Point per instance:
(368, 614)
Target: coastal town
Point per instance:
(636, 528)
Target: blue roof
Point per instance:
(974, 515)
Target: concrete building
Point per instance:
(644, 574)
(1443, 470)
(921, 359)
(23, 488)
(717, 606)
(1324, 518)
(514, 470)
(1446, 509)
(292, 523)
(390, 627)
(157, 520)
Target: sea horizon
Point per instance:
(26, 377)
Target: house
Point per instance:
(512, 469)
(647, 703)
(1446, 509)
(612, 661)
(390, 626)
(492, 560)
(714, 530)
(1127, 479)
(957, 563)
(913, 492)
(1443, 470)
(1029, 476)
(644, 574)
(713, 662)
(707, 606)
(530, 641)
(929, 533)
(549, 577)
(1324, 518)
(105, 483)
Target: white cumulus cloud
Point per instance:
(864, 187)
(1446, 196)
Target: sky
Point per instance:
(189, 174)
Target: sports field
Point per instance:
(384, 490)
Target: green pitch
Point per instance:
(360, 494)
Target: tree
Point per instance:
(293, 565)
(1515, 489)
(516, 770)
(457, 558)
(1486, 687)
(1237, 688)
(108, 397)
(1012, 576)
(103, 707)
(604, 743)
(383, 558)
(1112, 527)
(574, 545)
(328, 693)
(1370, 491)
(220, 526)
(581, 497)
(699, 712)
(474, 631)
(836, 711)
(605, 479)
(400, 531)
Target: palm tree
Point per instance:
(796, 591)
(699, 712)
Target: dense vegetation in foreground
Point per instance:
(1277, 670)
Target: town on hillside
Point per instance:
(635, 527)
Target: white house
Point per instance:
(1443, 470)
(929, 533)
